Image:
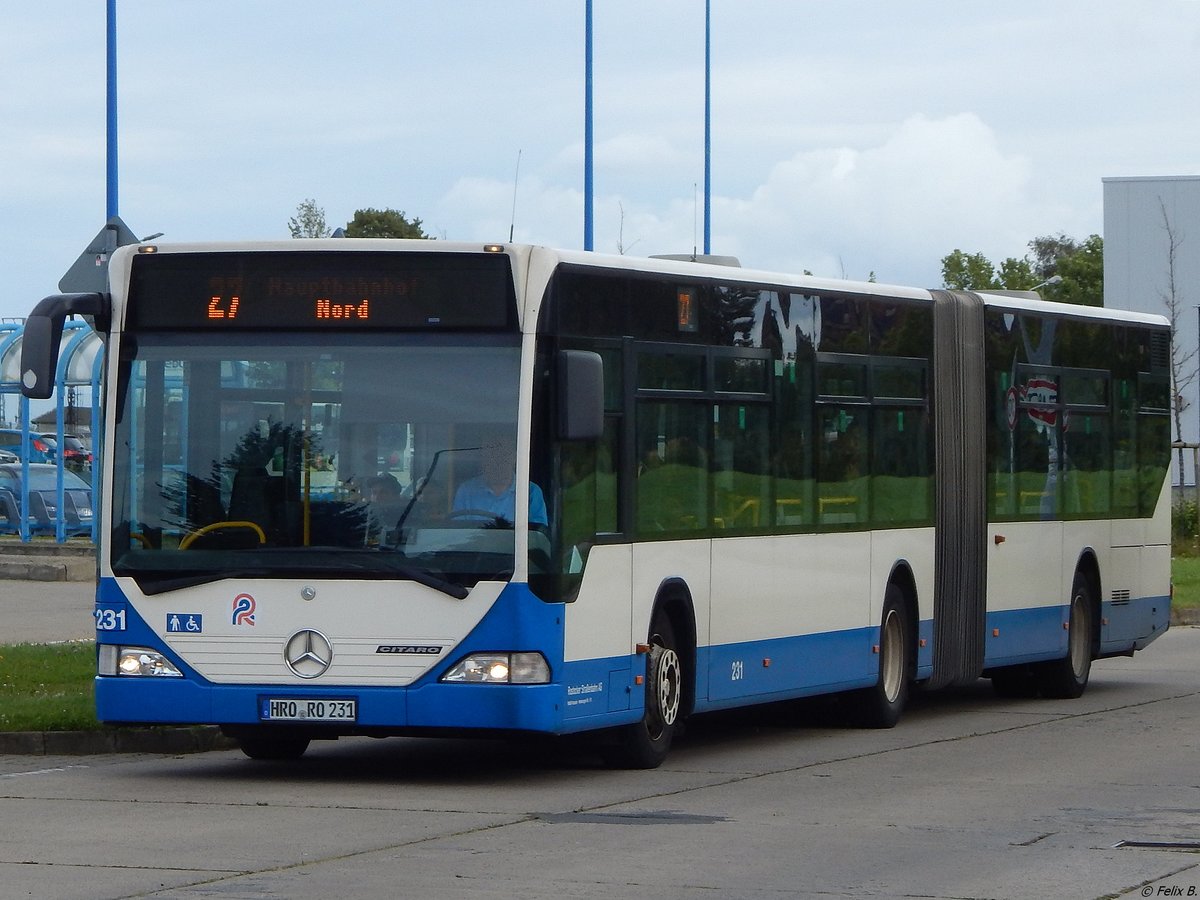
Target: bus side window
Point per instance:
(672, 479)
(741, 466)
(842, 466)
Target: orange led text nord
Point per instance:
(329, 310)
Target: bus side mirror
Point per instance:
(580, 395)
(42, 336)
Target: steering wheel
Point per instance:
(483, 516)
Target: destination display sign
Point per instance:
(320, 290)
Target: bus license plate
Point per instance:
(287, 709)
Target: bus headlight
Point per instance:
(116, 660)
(500, 668)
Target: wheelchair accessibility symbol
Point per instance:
(185, 623)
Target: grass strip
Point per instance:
(1185, 575)
(47, 687)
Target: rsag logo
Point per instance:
(243, 609)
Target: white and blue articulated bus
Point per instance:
(360, 487)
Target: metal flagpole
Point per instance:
(707, 127)
(112, 109)
(587, 129)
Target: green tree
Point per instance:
(383, 223)
(1082, 273)
(1016, 274)
(1077, 269)
(968, 271)
(1047, 250)
(309, 221)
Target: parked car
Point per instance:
(43, 499)
(7, 456)
(39, 450)
(76, 454)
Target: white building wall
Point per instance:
(1136, 263)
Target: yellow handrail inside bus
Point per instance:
(215, 526)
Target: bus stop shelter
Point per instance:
(80, 363)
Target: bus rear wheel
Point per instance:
(1067, 678)
(645, 744)
(880, 706)
(1014, 682)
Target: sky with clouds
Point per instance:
(848, 138)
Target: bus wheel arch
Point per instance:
(669, 683)
(674, 602)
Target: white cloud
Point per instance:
(893, 208)
(483, 209)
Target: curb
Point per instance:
(199, 739)
(42, 560)
(48, 568)
(1185, 616)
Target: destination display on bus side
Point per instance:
(350, 290)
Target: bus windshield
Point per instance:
(292, 454)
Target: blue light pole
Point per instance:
(707, 127)
(112, 109)
(587, 128)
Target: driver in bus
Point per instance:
(493, 491)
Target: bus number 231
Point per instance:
(110, 619)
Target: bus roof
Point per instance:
(1035, 304)
(726, 273)
(524, 256)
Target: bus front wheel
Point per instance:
(271, 746)
(645, 744)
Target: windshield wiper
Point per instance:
(425, 577)
(151, 583)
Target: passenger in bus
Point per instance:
(386, 504)
(384, 489)
(493, 491)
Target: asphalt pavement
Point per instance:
(969, 796)
(42, 612)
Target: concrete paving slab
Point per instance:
(41, 612)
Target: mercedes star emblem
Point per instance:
(308, 653)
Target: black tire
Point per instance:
(1067, 678)
(645, 744)
(881, 706)
(1014, 682)
(270, 747)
